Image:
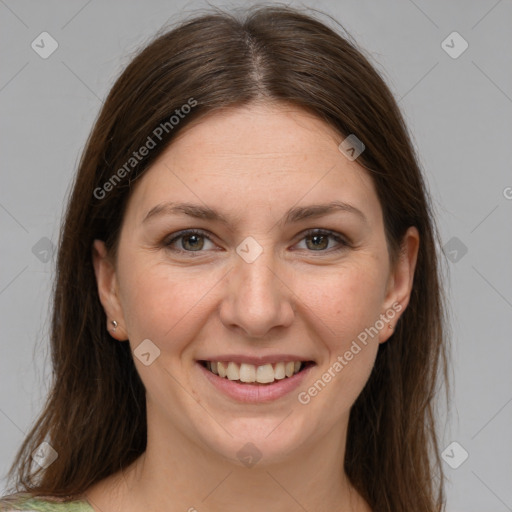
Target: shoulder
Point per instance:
(28, 503)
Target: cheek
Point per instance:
(345, 307)
(160, 302)
(345, 300)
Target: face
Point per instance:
(264, 279)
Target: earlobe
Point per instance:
(106, 281)
(401, 280)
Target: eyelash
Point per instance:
(322, 232)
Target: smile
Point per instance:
(250, 373)
(274, 387)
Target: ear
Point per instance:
(108, 290)
(400, 282)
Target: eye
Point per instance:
(320, 240)
(193, 241)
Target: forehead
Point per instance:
(254, 157)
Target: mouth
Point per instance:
(256, 375)
(263, 382)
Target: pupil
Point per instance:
(316, 238)
(196, 237)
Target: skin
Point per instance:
(252, 164)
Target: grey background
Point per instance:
(458, 111)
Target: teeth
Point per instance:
(265, 374)
(221, 369)
(279, 372)
(233, 371)
(244, 372)
(247, 373)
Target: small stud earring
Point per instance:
(390, 326)
(114, 323)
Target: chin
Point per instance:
(258, 441)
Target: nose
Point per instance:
(257, 297)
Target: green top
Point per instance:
(23, 502)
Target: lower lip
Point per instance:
(255, 393)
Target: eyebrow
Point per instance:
(294, 214)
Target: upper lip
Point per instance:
(256, 360)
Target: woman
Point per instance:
(248, 298)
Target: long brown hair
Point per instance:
(95, 414)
